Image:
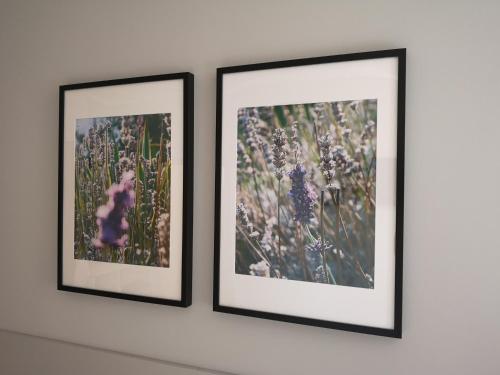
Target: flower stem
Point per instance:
(336, 200)
(257, 190)
(302, 254)
(280, 256)
(260, 252)
(322, 234)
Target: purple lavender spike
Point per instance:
(111, 217)
(302, 194)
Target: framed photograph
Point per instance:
(126, 188)
(309, 191)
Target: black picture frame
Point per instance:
(396, 331)
(187, 192)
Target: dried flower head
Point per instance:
(317, 247)
(266, 241)
(319, 110)
(320, 275)
(346, 133)
(260, 269)
(296, 146)
(244, 161)
(242, 214)
(327, 164)
(370, 126)
(343, 161)
(279, 152)
(338, 112)
(249, 119)
(163, 228)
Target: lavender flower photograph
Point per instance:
(306, 199)
(122, 189)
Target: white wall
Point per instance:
(21, 355)
(451, 245)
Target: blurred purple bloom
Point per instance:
(302, 194)
(111, 217)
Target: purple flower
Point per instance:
(302, 194)
(111, 217)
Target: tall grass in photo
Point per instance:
(306, 178)
(122, 189)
